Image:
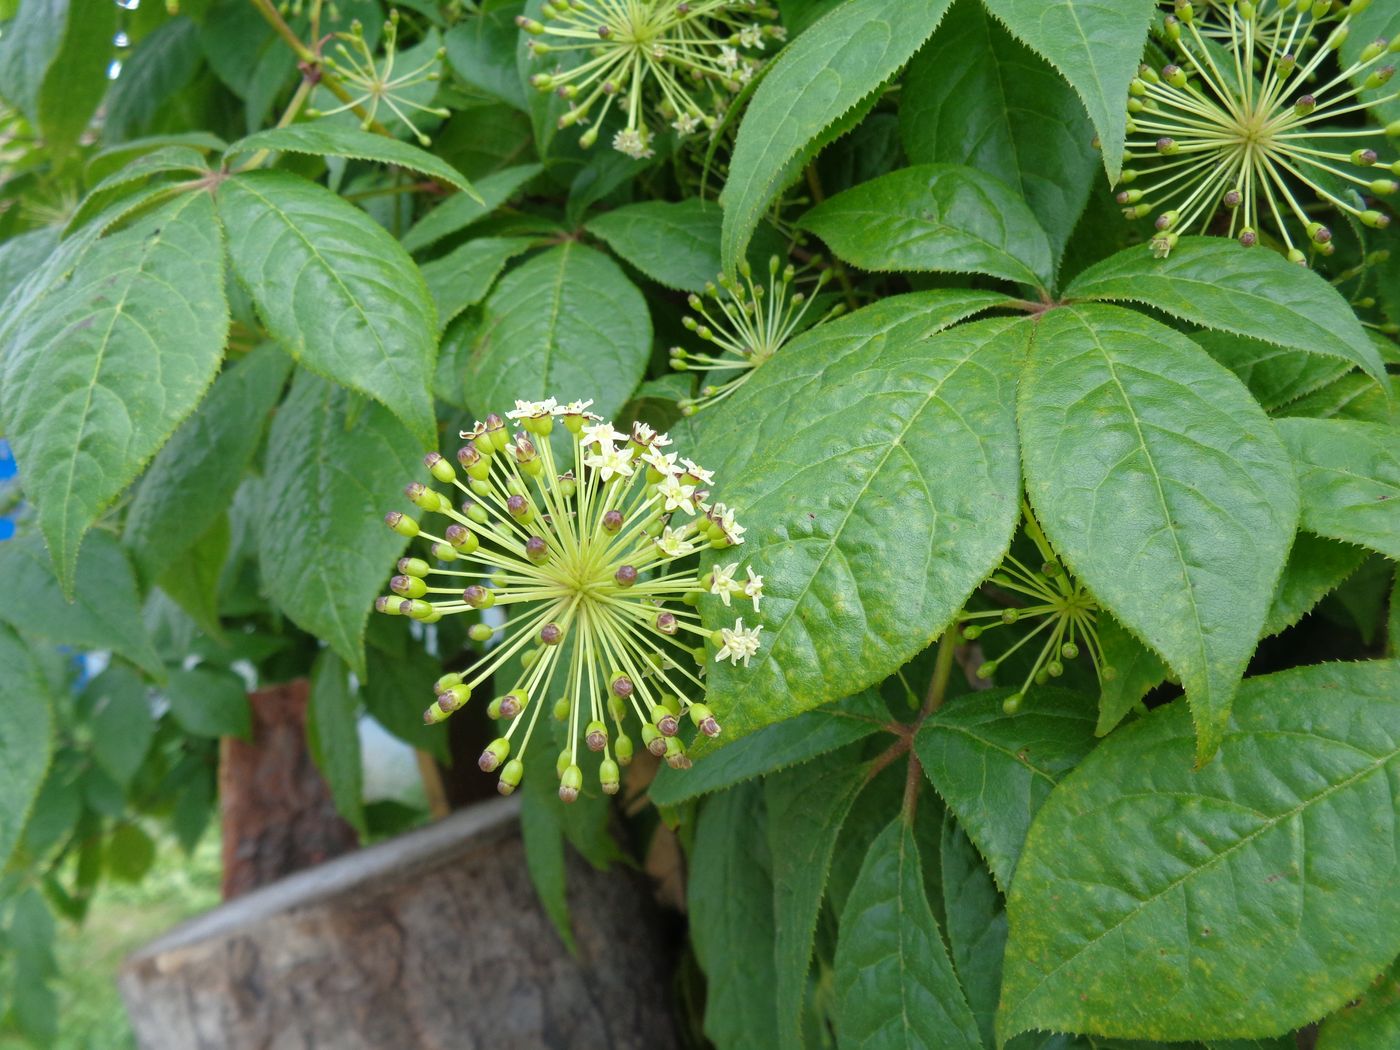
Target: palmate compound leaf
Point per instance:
(1241, 900)
(334, 467)
(1096, 45)
(1349, 477)
(895, 985)
(106, 362)
(866, 443)
(1219, 284)
(830, 69)
(339, 293)
(1162, 484)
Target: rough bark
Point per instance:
(277, 812)
(433, 940)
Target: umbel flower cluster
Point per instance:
(746, 323)
(682, 58)
(594, 567)
(372, 83)
(1067, 612)
(1244, 120)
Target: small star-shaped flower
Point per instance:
(609, 461)
(754, 587)
(675, 495)
(722, 581)
(739, 642)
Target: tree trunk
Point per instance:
(277, 813)
(433, 940)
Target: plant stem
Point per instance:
(942, 671)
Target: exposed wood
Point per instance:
(432, 940)
(276, 810)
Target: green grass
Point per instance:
(122, 918)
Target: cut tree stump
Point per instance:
(433, 940)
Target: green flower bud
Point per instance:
(408, 586)
(1384, 187)
(704, 719)
(623, 748)
(414, 567)
(675, 754)
(609, 777)
(1380, 77)
(452, 698)
(653, 740)
(510, 776)
(388, 605)
(401, 523)
(496, 752)
(987, 670)
(439, 468)
(570, 784)
(493, 709)
(595, 735)
(481, 632)
(1375, 219)
(1012, 703)
(561, 708)
(972, 632)
(1069, 650)
(513, 702)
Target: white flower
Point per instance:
(739, 644)
(676, 495)
(602, 435)
(673, 544)
(754, 587)
(729, 58)
(751, 36)
(633, 142)
(696, 471)
(645, 435)
(724, 517)
(609, 461)
(661, 462)
(534, 409)
(686, 124)
(722, 581)
(578, 408)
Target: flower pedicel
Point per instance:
(606, 621)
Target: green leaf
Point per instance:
(730, 901)
(1161, 483)
(937, 217)
(1095, 46)
(976, 925)
(460, 210)
(105, 612)
(1217, 283)
(837, 64)
(333, 471)
(161, 66)
(76, 79)
(192, 479)
(130, 852)
(26, 737)
(567, 324)
(1372, 1022)
(976, 96)
(1240, 900)
(1136, 670)
(339, 294)
(209, 703)
(863, 443)
(21, 255)
(33, 1003)
(481, 50)
(1353, 396)
(323, 138)
(895, 986)
(774, 748)
(122, 722)
(193, 577)
(462, 277)
(806, 808)
(1274, 375)
(1379, 21)
(673, 243)
(1349, 477)
(333, 735)
(994, 770)
(397, 688)
(1316, 567)
(123, 184)
(103, 367)
(30, 44)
